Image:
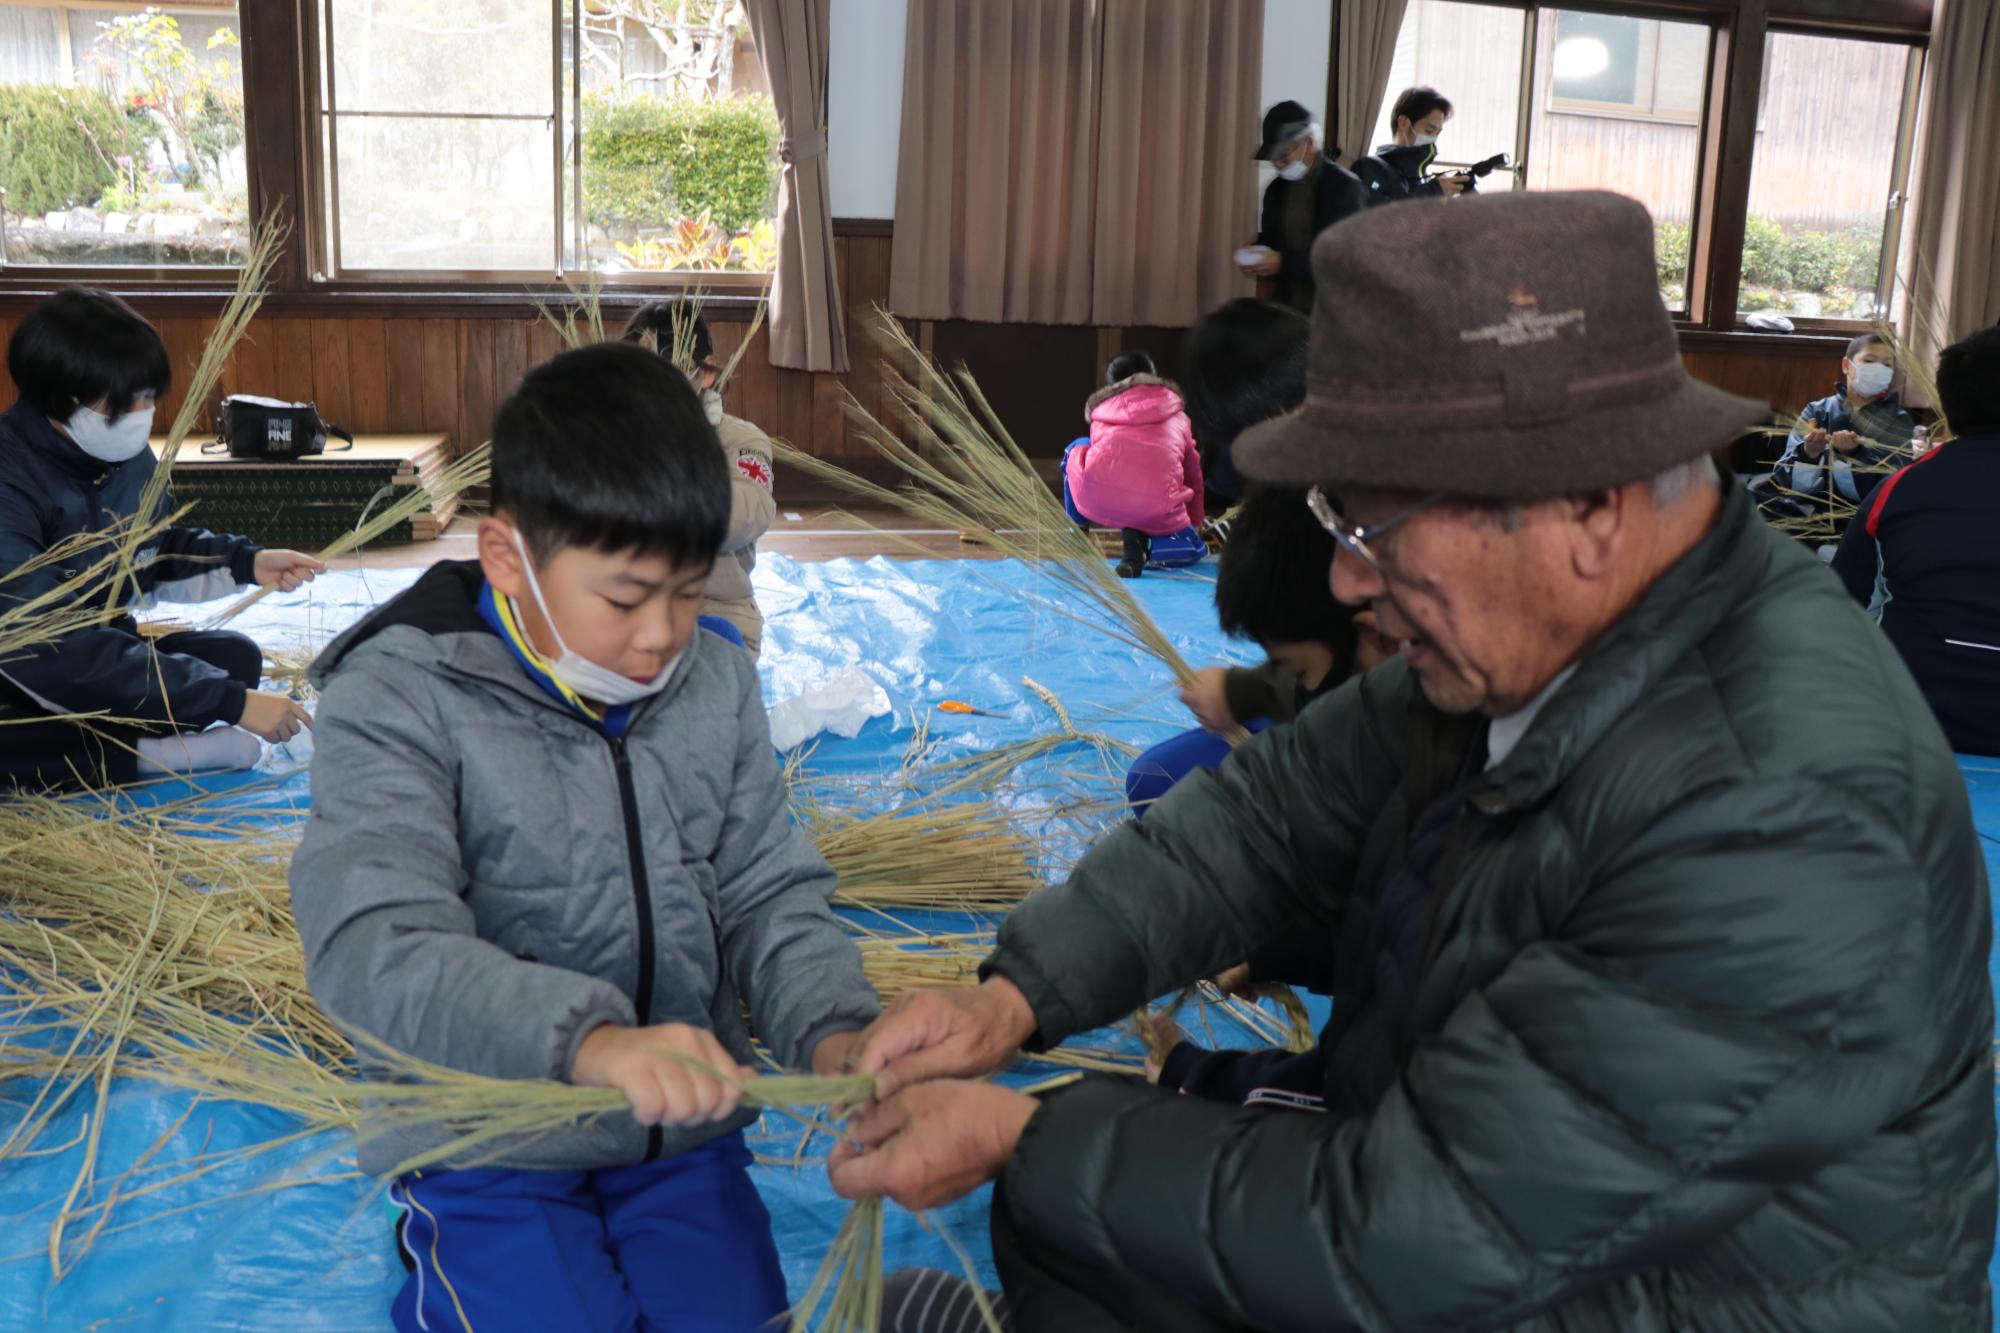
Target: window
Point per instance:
(1827, 180)
(520, 138)
(1614, 104)
(121, 136)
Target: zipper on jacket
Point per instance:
(642, 900)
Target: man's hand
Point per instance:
(1844, 441)
(1454, 184)
(1268, 266)
(275, 717)
(285, 570)
(647, 1065)
(1813, 443)
(1207, 700)
(929, 1145)
(836, 1054)
(957, 1033)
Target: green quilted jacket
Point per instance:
(1702, 1037)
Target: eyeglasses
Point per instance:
(1364, 543)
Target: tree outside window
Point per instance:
(121, 136)
(616, 136)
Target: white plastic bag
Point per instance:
(842, 706)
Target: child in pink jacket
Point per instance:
(1138, 470)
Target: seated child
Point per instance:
(1845, 443)
(1138, 470)
(74, 461)
(549, 840)
(747, 451)
(1272, 587)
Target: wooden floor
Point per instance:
(808, 532)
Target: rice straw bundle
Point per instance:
(849, 1280)
(471, 470)
(969, 856)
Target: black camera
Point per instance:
(1479, 170)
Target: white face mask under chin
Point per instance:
(598, 683)
(110, 441)
(1293, 171)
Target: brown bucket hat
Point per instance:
(1508, 347)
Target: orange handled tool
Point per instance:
(954, 706)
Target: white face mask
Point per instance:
(1293, 171)
(110, 441)
(1423, 140)
(586, 677)
(1870, 378)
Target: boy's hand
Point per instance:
(275, 717)
(1813, 443)
(1844, 441)
(1206, 700)
(836, 1054)
(642, 1064)
(285, 570)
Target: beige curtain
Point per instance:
(1364, 47)
(1953, 268)
(808, 329)
(1178, 114)
(995, 178)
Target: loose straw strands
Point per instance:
(227, 331)
(464, 473)
(968, 473)
(81, 599)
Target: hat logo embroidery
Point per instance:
(1527, 324)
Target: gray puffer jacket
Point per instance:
(487, 876)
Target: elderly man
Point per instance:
(1652, 1009)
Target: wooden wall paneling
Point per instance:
(441, 389)
(403, 348)
(254, 368)
(867, 287)
(333, 385)
(476, 400)
(544, 341)
(367, 376)
(759, 381)
(510, 359)
(292, 340)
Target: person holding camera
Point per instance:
(1396, 170)
(1308, 195)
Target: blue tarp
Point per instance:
(240, 1254)
(320, 1256)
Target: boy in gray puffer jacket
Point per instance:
(549, 839)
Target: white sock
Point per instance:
(200, 752)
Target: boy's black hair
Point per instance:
(81, 347)
(1968, 383)
(1272, 584)
(654, 324)
(1862, 342)
(1418, 102)
(1127, 364)
(1246, 363)
(606, 447)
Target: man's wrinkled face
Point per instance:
(1469, 601)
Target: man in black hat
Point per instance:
(1308, 195)
(1652, 1009)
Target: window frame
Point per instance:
(1897, 198)
(115, 277)
(1731, 106)
(1556, 104)
(319, 135)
